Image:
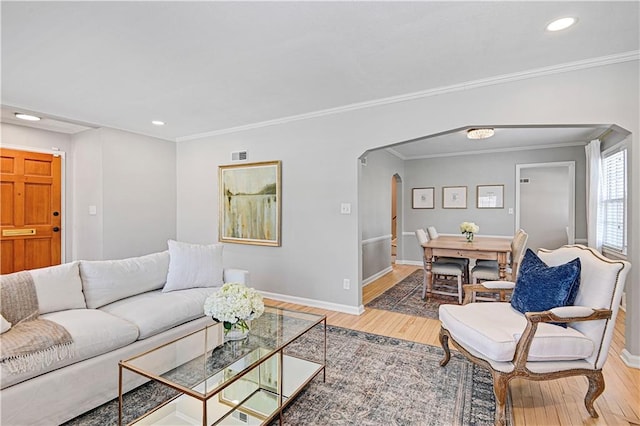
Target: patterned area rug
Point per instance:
(370, 380)
(406, 298)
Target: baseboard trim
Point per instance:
(352, 310)
(409, 262)
(374, 277)
(629, 359)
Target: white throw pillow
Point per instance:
(194, 265)
(58, 288)
(105, 281)
(4, 325)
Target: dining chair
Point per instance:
(489, 270)
(561, 325)
(440, 268)
(462, 261)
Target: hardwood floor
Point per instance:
(556, 402)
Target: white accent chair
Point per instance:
(440, 268)
(512, 344)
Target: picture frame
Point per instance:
(250, 203)
(423, 198)
(454, 197)
(490, 196)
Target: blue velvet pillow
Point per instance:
(540, 287)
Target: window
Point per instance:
(614, 199)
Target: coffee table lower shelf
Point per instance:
(259, 406)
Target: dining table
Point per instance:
(489, 248)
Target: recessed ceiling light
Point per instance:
(480, 133)
(158, 122)
(561, 24)
(27, 117)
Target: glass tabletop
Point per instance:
(195, 365)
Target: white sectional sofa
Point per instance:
(112, 309)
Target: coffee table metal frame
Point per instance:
(264, 355)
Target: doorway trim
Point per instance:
(63, 189)
(571, 168)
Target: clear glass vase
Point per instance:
(469, 236)
(236, 331)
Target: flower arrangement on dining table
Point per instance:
(469, 229)
(234, 304)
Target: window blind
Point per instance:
(614, 200)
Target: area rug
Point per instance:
(370, 380)
(406, 298)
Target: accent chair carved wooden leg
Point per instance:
(444, 342)
(500, 384)
(596, 387)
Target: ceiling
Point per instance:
(211, 67)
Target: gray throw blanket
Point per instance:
(32, 343)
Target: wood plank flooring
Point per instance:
(556, 402)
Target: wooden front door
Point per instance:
(30, 212)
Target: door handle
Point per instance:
(56, 229)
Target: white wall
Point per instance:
(320, 246)
(131, 180)
(28, 138)
(375, 210)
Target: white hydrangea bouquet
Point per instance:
(468, 229)
(234, 304)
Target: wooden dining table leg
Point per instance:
(428, 256)
(502, 266)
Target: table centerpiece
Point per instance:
(235, 305)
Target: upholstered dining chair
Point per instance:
(488, 269)
(462, 261)
(559, 323)
(439, 268)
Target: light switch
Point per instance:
(93, 210)
(345, 208)
(510, 210)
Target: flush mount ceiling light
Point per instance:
(480, 133)
(157, 123)
(561, 24)
(27, 117)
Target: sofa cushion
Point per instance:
(93, 332)
(540, 287)
(157, 311)
(105, 281)
(58, 288)
(493, 330)
(194, 265)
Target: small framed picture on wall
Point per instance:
(490, 196)
(454, 197)
(423, 198)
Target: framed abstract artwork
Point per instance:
(454, 197)
(490, 196)
(423, 198)
(250, 203)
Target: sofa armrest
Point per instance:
(236, 276)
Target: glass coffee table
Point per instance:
(243, 382)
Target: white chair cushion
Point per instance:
(194, 265)
(93, 332)
(446, 268)
(157, 311)
(493, 330)
(58, 288)
(105, 281)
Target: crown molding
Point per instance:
(473, 84)
(485, 151)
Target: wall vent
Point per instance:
(524, 180)
(239, 155)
